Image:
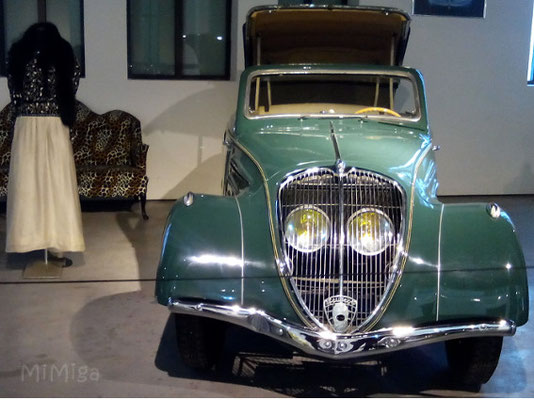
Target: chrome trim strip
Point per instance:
(327, 344)
(340, 167)
(439, 261)
(333, 137)
(242, 250)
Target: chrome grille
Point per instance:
(336, 273)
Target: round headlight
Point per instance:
(369, 231)
(307, 229)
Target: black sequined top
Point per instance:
(34, 100)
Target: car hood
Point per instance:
(384, 148)
(333, 34)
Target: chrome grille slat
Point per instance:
(336, 269)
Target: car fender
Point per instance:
(219, 249)
(482, 269)
(201, 252)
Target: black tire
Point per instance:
(472, 361)
(200, 340)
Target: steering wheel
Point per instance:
(378, 109)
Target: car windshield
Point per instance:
(379, 96)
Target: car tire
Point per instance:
(472, 361)
(200, 340)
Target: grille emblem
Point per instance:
(340, 311)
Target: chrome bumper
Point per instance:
(337, 346)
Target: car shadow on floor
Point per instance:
(258, 361)
(130, 338)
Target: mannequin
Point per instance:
(43, 206)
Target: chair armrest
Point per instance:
(139, 156)
(138, 149)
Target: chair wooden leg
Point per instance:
(143, 206)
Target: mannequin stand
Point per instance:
(47, 269)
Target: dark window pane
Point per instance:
(18, 15)
(455, 8)
(152, 37)
(66, 15)
(204, 37)
(173, 39)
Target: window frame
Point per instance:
(418, 95)
(41, 17)
(178, 64)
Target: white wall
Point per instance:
(481, 109)
(480, 106)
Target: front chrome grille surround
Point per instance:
(336, 273)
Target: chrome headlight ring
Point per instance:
(307, 229)
(373, 232)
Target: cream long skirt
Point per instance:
(43, 207)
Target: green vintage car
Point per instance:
(329, 236)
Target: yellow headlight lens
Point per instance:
(307, 229)
(369, 231)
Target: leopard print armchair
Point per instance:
(109, 154)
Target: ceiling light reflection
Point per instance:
(213, 259)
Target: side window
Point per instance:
(404, 97)
(17, 15)
(179, 39)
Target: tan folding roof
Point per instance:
(314, 34)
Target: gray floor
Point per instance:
(98, 332)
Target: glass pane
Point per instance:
(331, 94)
(66, 15)
(152, 37)
(204, 37)
(18, 16)
(458, 8)
(404, 98)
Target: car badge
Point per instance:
(340, 312)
